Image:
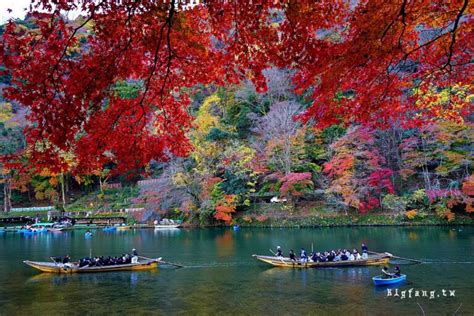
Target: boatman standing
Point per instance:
(303, 256)
(279, 253)
(364, 248)
(134, 256)
(291, 254)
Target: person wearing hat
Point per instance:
(279, 253)
(134, 256)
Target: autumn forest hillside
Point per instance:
(253, 155)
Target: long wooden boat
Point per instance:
(73, 267)
(285, 262)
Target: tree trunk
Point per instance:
(7, 194)
(63, 193)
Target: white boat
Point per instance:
(167, 224)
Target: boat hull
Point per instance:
(51, 267)
(288, 263)
(380, 281)
(167, 226)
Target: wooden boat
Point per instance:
(124, 227)
(285, 262)
(73, 267)
(378, 280)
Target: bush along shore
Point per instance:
(356, 220)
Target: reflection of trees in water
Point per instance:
(225, 244)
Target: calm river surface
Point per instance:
(221, 277)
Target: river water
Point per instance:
(221, 276)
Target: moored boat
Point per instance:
(32, 231)
(285, 262)
(124, 227)
(378, 280)
(167, 224)
(109, 229)
(73, 267)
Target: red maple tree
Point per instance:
(361, 61)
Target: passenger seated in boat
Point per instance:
(386, 274)
(303, 256)
(291, 254)
(84, 262)
(337, 257)
(119, 260)
(358, 256)
(344, 257)
(322, 258)
(279, 253)
(396, 272)
(66, 259)
(331, 256)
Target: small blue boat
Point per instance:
(378, 280)
(109, 229)
(88, 235)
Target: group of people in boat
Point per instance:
(101, 260)
(327, 256)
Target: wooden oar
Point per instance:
(52, 259)
(396, 257)
(161, 261)
(281, 259)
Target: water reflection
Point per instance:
(225, 244)
(226, 279)
(167, 232)
(127, 277)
